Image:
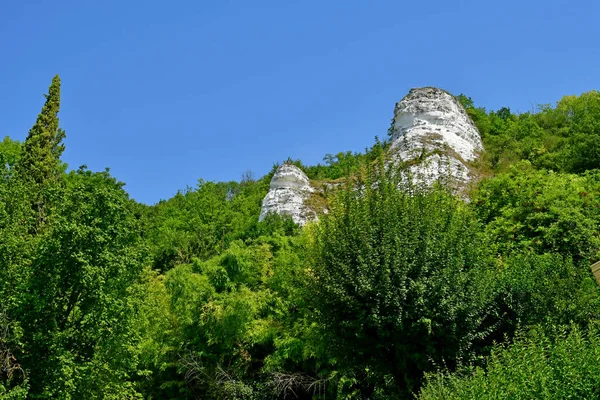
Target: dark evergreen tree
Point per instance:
(43, 148)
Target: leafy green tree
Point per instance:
(397, 281)
(582, 114)
(15, 250)
(10, 152)
(161, 338)
(201, 223)
(540, 290)
(210, 327)
(562, 138)
(541, 211)
(77, 303)
(233, 328)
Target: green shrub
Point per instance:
(565, 365)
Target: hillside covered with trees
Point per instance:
(394, 293)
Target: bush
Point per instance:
(537, 366)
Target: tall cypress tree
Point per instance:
(40, 161)
(39, 166)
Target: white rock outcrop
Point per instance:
(434, 135)
(288, 192)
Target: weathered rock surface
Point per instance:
(288, 192)
(433, 134)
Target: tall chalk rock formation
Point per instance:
(288, 192)
(433, 134)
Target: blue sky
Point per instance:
(165, 93)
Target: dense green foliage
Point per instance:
(396, 291)
(537, 366)
(10, 152)
(541, 211)
(202, 222)
(397, 281)
(564, 138)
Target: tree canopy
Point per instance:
(396, 291)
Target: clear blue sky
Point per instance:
(167, 92)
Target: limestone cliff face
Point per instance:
(434, 135)
(288, 192)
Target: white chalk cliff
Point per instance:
(433, 134)
(288, 192)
